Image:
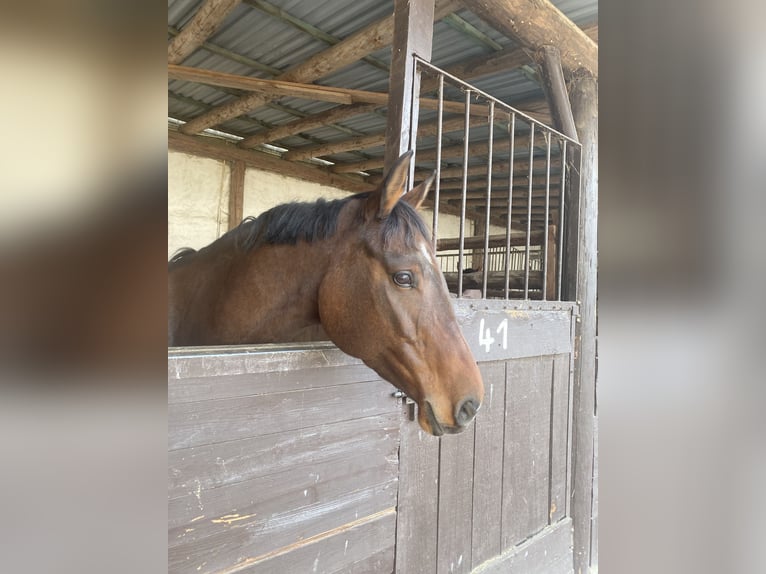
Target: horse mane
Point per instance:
(180, 256)
(289, 223)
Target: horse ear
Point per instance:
(393, 186)
(417, 195)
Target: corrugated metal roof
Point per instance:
(252, 32)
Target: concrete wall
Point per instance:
(198, 199)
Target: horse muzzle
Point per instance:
(464, 414)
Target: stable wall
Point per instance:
(198, 199)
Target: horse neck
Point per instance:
(274, 296)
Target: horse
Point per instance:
(360, 271)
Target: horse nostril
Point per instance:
(466, 412)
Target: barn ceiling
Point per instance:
(297, 130)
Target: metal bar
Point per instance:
(529, 207)
(503, 105)
(439, 118)
(547, 214)
(511, 151)
(461, 249)
(485, 264)
(561, 217)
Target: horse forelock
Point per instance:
(404, 225)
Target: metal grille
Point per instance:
(502, 180)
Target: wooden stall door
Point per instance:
(281, 461)
(495, 498)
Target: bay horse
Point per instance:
(360, 271)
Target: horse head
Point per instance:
(386, 302)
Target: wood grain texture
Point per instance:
(560, 403)
(416, 529)
(526, 449)
(205, 21)
(364, 545)
(456, 468)
(584, 96)
(209, 422)
(550, 552)
(488, 466)
(533, 23)
(236, 193)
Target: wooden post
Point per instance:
(584, 98)
(413, 34)
(533, 23)
(549, 62)
(236, 192)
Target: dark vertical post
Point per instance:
(584, 97)
(549, 62)
(236, 193)
(413, 33)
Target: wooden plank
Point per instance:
(488, 466)
(207, 422)
(559, 437)
(236, 193)
(548, 58)
(454, 540)
(234, 545)
(526, 449)
(550, 552)
(218, 149)
(282, 506)
(533, 23)
(514, 333)
(365, 545)
(416, 527)
(219, 465)
(584, 95)
(306, 124)
(413, 35)
(252, 384)
(187, 362)
(205, 21)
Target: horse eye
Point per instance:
(403, 278)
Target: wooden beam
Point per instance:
(218, 149)
(202, 25)
(236, 192)
(549, 61)
(477, 242)
(279, 88)
(369, 39)
(584, 97)
(374, 140)
(312, 122)
(413, 35)
(535, 23)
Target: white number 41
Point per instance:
(485, 335)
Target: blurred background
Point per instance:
(82, 286)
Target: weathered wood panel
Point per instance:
(550, 552)
(287, 469)
(416, 531)
(512, 332)
(488, 466)
(456, 466)
(560, 402)
(363, 546)
(206, 422)
(526, 449)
